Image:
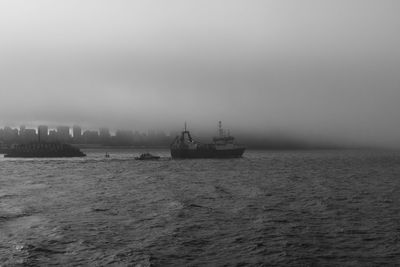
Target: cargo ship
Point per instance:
(223, 146)
(44, 150)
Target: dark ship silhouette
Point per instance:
(223, 146)
(44, 150)
(41, 149)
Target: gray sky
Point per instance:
(312, 68)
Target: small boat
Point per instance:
(147, 156)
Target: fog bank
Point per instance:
(312, 70)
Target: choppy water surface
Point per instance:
(314, 208)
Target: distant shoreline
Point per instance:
(288, 148)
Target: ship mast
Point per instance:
(221, 131)
(186, 132)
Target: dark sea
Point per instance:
(269, 208)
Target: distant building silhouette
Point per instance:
(27, 135)
(124, 137)
(52, 136)
(43, 133)
(9, 136)
(63, 134)
(77, 134)
(22, 130)
(90, 137)
(30, 136)
(104, 136)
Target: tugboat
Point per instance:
(44, 150)
(223, 146)
(147, 156)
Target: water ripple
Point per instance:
(312, 208)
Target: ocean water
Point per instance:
(269, 208)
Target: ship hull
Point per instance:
(43, 155)
(44, 150)
(182, 153)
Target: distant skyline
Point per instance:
(326, 70)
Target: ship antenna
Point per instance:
(185, 126)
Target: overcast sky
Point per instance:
(305, 67)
